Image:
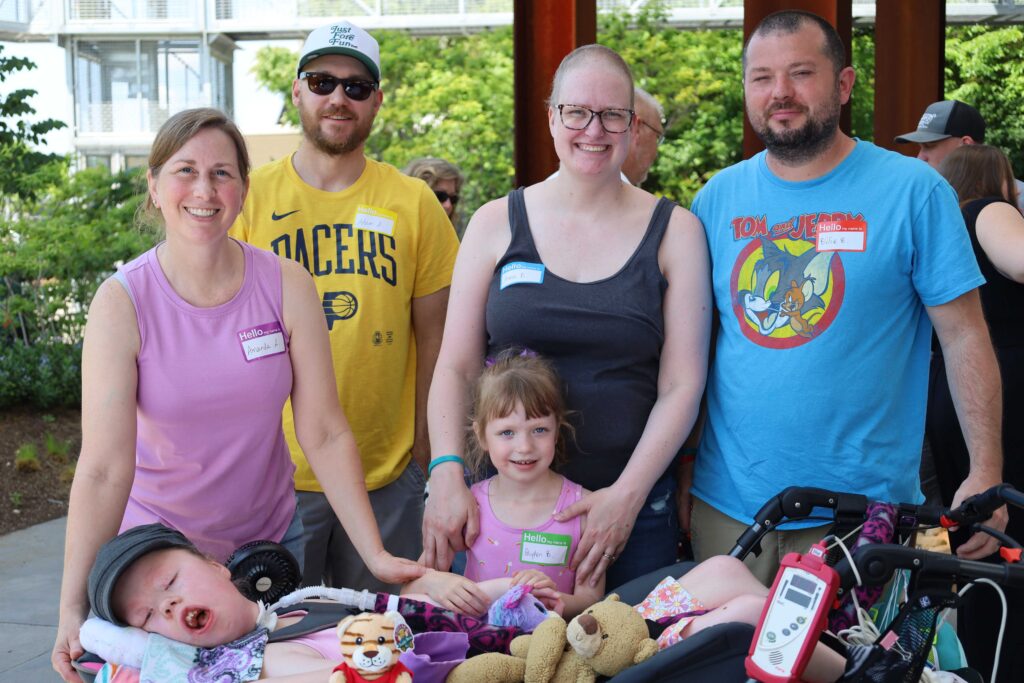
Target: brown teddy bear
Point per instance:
(607, 638)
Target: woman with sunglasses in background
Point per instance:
(612, 285)
(444, 178)
(190, 352)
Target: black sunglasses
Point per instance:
(443, 197)
(324, 84)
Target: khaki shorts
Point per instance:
(714, 533)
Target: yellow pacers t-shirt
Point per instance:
(371, 249)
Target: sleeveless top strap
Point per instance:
(519, 224)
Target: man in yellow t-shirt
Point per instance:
(381, 251)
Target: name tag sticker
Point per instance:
(377, 220)
(262, 341)
(539, 547)
(521, 273)
(841, 236)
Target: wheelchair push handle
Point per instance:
(876, 565)
(979, 507)
(795, 502)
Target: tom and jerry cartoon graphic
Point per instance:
(788, 281)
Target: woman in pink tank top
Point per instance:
(190, 354)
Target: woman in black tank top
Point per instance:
(613, 286)
(983, 179)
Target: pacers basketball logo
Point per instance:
(339, 306)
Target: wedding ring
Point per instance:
(609, 556)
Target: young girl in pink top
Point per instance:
(519, 425)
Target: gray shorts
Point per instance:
(331, 558)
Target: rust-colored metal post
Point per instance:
(910, 43)
(839, 13)
(543, 32)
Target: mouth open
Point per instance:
(197, 618)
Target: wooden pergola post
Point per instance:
(544, 32)
(910, 43)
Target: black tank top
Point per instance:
(604, 338)
(1001, 297)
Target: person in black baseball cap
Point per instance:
(943, 127)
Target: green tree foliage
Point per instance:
(275, 70)
(984, 68)
(696, 75)
(22, 165)
(446, 96)
(452, 96)
(55, 250)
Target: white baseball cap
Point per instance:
(342, 38)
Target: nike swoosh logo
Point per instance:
(276, 217)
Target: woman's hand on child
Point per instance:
(611, 513)
(456, 593)
(450, 520)
(391, 569)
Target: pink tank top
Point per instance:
(500, 549)
(211, 459)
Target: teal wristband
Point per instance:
(442, 460)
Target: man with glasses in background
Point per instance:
(381, 251)
(643, 147)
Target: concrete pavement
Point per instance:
(31, 566)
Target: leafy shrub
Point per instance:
(43, 375)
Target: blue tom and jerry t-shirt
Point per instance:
(821, 363)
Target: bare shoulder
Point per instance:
(111, 303)
(112, 321)
(295, 279)
(488, 231)
(684, 244)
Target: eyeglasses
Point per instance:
(357, 89)
(659, 133)
(443, 197)
(575, 117)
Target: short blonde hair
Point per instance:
(516, 376)
(585, 54)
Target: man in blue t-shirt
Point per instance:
(832, 259)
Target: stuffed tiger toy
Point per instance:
(371, 644)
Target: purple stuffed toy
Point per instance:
(518, 607)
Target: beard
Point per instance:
(793, 146)
(334, 146)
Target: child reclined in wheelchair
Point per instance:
(152, 578)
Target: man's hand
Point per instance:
(980, 545)
(67, 648)
(450, 509)
(610, 519)
(391, 569)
